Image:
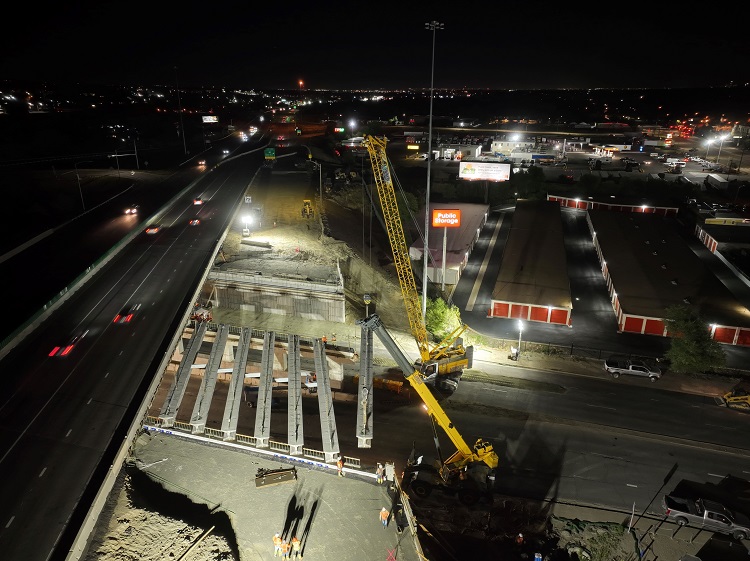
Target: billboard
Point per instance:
(446, 218)
(210, 119)
(490, 171)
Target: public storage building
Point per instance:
(648, 268)
(533, 282)
(459, 241)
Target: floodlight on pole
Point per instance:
(721, 143)
(430, 26)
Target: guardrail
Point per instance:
(252, 442)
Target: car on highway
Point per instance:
(153, 229)
(198, 201)
(201, 162)
(132, 209)
(195, 222)
(126, 314)
(225, 151)
(65, 350)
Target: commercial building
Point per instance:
(451, 245)
(533, 282)
(649, 268)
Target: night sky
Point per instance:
(369, 45)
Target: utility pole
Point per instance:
(179, 108)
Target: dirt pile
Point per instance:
(128, 530)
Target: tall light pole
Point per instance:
(78, 177)
(709, 142)
(520, 331)
(179, 108)
(722, 139)
(430, 26)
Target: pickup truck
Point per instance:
(617, 366)
(706, 514)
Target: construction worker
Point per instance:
(296, 548)
(384, 514)
(276, 544)
(340, 466)
(285, 548)
(379, 474)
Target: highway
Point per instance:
(62, 418)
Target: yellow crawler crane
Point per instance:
(441, 364)
(469, 473)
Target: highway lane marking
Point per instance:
(496, 390)
(715, 475)
(107, 373)
(74, 369)
(601, 407)
(67, 434)
(12, 518)
(631, 485)
(478, 281)
(42, 472)
(89, 401)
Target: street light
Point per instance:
(179, 108)
(78, 177)
(430, 26)
(709, 142)
(319, 167)
(520, 331)
(722, 139)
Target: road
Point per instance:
(62, 418)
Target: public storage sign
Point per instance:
(484, 170)
(446, 218)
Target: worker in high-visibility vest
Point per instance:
(276, 544)
(285, 548)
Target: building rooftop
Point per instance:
(653, 268)
(534, 268)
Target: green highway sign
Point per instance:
(270, 153)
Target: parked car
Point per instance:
(620, 365)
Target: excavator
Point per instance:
(469, 473)
(443, 363)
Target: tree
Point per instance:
(441, 318)
(691, 348)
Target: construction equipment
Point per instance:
(469, 473)
(738, 398)
(443, 363)
(307, 209)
